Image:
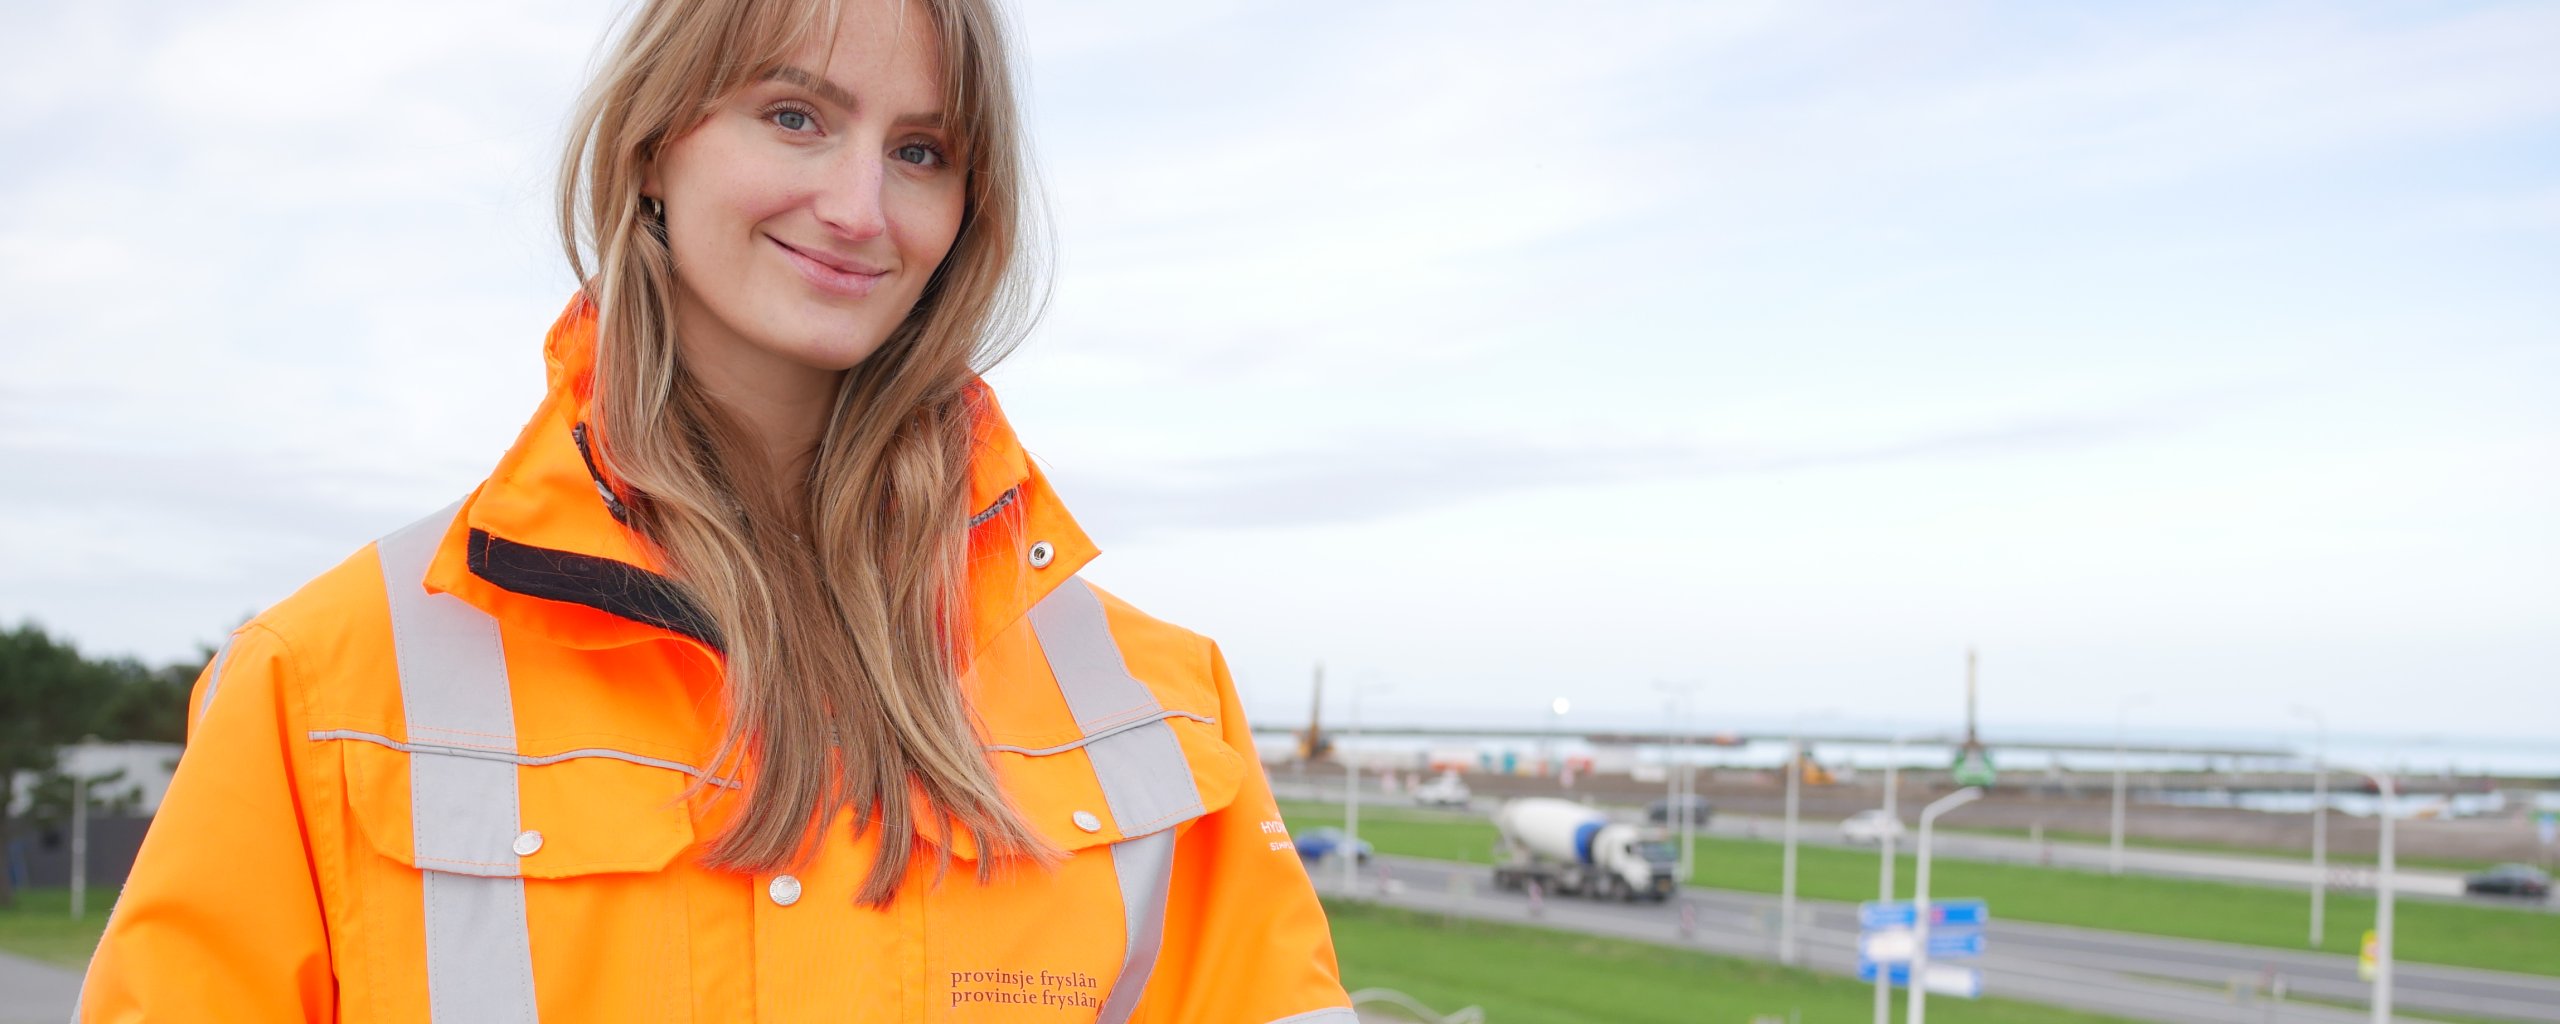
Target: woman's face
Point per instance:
(807, 211)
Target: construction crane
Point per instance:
(1313, 744)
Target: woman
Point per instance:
(756, 682)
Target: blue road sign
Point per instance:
(1895, 945)
(1944, 979)
(1874, 914)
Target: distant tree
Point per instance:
(51, 697)
(150, 704)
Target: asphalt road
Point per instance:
(2246, 868)
(36, 993)
(2137, 976)
(2242, 868)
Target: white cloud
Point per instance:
(1479, 345)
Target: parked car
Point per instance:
(1445, 790)
(1870, 827)
(2510, 880)
(1320, 843)
(1659, 812)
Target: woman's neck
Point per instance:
(782, 405)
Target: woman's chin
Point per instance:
(829, 344)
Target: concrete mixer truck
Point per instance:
(1568, 848)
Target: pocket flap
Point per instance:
(1165, 769)
(578, 812)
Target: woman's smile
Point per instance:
(835, 275)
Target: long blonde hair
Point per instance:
(841, 651)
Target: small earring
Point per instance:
(650, 206)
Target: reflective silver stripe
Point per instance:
(453, 689)
(213, 679)
(1103, 735)
(1144, 776)
(1145, 779)
(1145, 866)
(519, 759)
(1331, 1015)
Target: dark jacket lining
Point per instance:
(599, 583)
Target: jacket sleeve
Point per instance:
(1245, 940)
(220, 918)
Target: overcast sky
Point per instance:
(1486, 352)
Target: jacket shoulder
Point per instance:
(336, 631)
(1181, 667)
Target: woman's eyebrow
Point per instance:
(826, 90)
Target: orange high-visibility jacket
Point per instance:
(445, 782)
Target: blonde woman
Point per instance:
(756, 682)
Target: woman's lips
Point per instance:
(832, 275)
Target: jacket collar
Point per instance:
(540, 544)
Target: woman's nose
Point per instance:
(850, 201)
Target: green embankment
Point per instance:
(2427, 931)
(40, 926)
(2336, 856)
(1521, 975)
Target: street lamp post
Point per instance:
(1687, 802)
(1884, 869)
(2115, 824)
(1787, 873)
(1917, 1009)
(79, 844)
(1555, 737)
(1682, 784)
(2319, 819)
(2382, 893)
(1351, 793)
(1787, 878)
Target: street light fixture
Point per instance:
(1917, 1008)
(1787, 874)
(2115, 824)
(2319, 818)
(1555, 737)
(1682, 784)
(2382, 898)
(1351, 791)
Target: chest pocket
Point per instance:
(472, 818)
(1112, 790)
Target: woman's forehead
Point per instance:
(883, 51)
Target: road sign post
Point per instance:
(1884, 864)
(1921, 917)
(1897, 938)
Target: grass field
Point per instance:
(2336, 856)
(40, 926)
(1521, 975)
(2427, 931)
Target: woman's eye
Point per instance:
(793, 120)
(919, 154)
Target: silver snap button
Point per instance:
(1086, 821)
(526, 843)
(785, 890)
(1042, 553)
